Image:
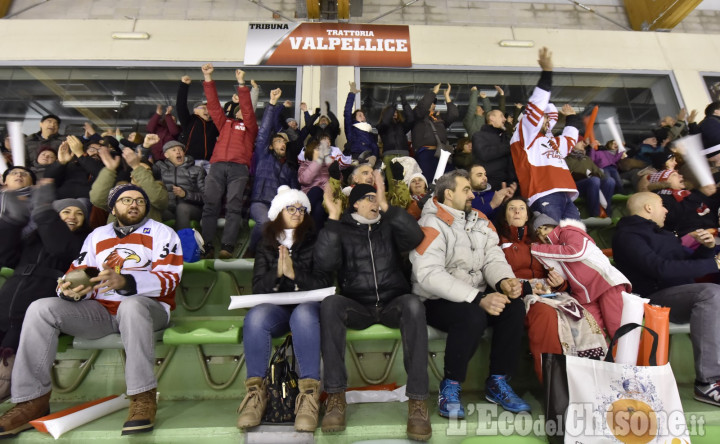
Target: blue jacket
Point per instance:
(654, 259)
(270, 172)
(482, 202)
(358, 140)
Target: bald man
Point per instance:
(491, 148)
(660, 268)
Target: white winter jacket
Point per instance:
(459, 256)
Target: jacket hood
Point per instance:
(630, 222)
(568, 223)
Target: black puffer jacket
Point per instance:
(422, 133)
(394, 134)
(45, 255)
(198, 135)
(491, 149)
(187, 176)
(265, 278)
(75, 178)
(367, 257)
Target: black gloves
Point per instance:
(397, 170)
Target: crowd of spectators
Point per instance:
(360, 202)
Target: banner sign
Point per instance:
(337, 44)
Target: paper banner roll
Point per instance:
(288, 298)
(691, 148)
(711, 150)
(632, 312)
(442, 163)
(3, 164)
(610, 122)
(68, 419)
(363, 396)
(17, 143)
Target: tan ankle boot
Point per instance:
(7, 360)
(418, 424)
(252, 407)
(334, 419)
(141, 415)
(306, 405)
(18, 418)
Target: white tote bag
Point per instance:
(613, 403)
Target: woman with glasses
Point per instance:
(283, 263)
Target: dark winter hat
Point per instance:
(61, 204)
(543, 219)
(45, 148)
(51, 116)
(172, 144)
(357, 193)
(32, 173)
(119, 189)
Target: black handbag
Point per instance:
(282, 384)
(555, 380)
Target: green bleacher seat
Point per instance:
(111, 341)
(196, 330)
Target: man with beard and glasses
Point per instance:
(140, 264)
(467, 285)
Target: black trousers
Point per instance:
(406, 312)
(465, 324)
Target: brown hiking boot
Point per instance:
(141, 417)
(18, 418)
(252, 407)
(334, 419)
(306, 405)
(7, 360)
(418, 424)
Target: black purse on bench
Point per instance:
(282, 384)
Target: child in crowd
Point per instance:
(594, 282)
(606, 158)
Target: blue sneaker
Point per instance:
(449, 400)
(498, 391)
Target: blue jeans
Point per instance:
(591, 188)
(258, 213)
(427, 162)
(267, 321)
(611, 172)
(557, 206)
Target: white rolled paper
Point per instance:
(59, 425)
(17, 143)
(363, 396)
(692, 149)
(632, 312)
(3, 164)
(610, 122)
(442, 163)
(288, 298)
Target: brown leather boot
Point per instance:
(7, 360)
(334, 419)
(18, 418)
(252, 407)
(418, 423)
(306, 405)
(141, 417)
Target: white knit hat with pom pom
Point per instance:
(287, 196)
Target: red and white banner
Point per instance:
(337, 44)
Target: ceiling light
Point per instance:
(517, 43)
(130, 35)
(93, 104)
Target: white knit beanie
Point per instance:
(410, 178)
(287, 196)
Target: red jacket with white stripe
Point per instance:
(573, 254)
(152, 255)
(237, 137)
(540, 158)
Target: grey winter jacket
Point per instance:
(187, 176)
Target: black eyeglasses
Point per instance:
(141, 202)
(293, 209)
(371, 198)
